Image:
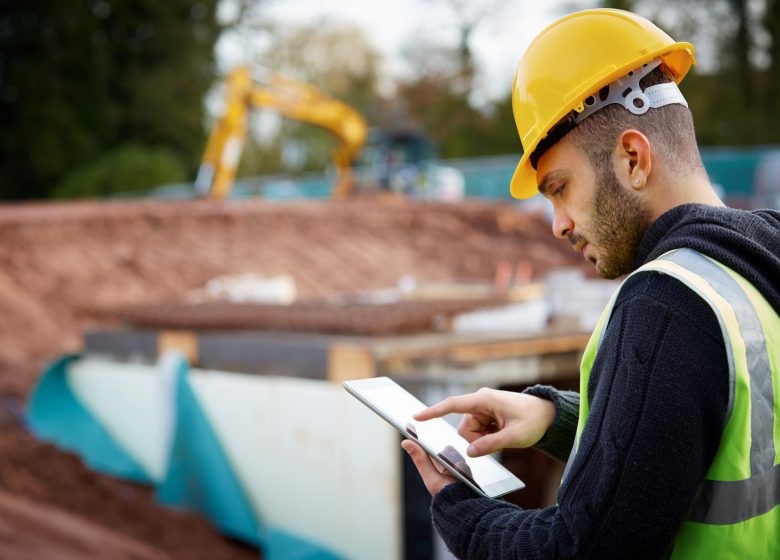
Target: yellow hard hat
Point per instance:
(573, 59)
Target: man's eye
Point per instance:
(558, 191)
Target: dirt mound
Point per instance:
(52, 506)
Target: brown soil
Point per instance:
(52, 506)
(62, 264)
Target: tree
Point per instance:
(436, 98)
(771, 23)
(735, 91)
(627, 5)
(334, 57)
(467, 16)
(81, 78)
(337, 58)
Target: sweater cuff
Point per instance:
(559, 439)
(453, 493)
(453, 506)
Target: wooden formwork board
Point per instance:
(337, 358)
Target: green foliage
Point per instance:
(435, 106)
(437, 100)
(128, 169)
(500, 136)
(81, 77)
(734, 94)
(259, 158)
(627, 5)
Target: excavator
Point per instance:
(294, 100)
(386, 159)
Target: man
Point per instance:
(673, 442)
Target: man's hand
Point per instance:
(435, 477)
(494, 420)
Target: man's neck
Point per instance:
(691, 189)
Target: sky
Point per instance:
(496, 44)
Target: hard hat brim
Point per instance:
(523, 183)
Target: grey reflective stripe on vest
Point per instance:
(723, 502)
(762, 419)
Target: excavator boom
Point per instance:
(291, 98)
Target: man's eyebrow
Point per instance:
(544, 186)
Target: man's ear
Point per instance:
(634, 158)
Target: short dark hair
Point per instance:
(669, 129)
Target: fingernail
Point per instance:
(471, 450)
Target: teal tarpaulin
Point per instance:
(199, 475)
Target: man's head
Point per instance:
(606, 133)
(570, 62)
(616, 169)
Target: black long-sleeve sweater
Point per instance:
(658, 398)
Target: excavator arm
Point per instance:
(293, 99)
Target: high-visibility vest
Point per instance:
(735, 513)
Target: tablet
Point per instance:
(440, 439)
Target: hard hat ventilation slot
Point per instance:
(626, 91)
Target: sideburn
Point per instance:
(620, 219)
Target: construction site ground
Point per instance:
(65, 266)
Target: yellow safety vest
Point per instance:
(735, 513)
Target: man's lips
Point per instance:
(580, 247)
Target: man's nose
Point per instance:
(562, 225)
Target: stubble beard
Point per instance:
(620, 219)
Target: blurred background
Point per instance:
(102, 98)
(213, 212)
